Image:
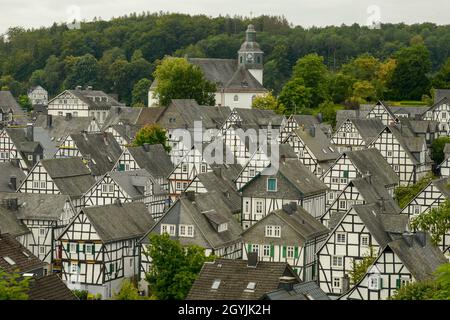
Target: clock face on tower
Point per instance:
(250, 57)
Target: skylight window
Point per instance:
(25, 254)
(251, 286)
(215, 285)
(9, 260)
(324, 151)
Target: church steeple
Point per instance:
(250, 54)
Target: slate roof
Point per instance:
(43, 137)
(228, 75)
(257, 118)
(369, 129)
(133, 182)
(8, 169)
(381, 225)
(22, 142)
(413, 112)
(441, 94)
(371, 161)
(156, 161)
(342, 115)
(101, 148)
(24, 260)
(443, 185)
(38, 206)
(119, 222)
(421, 260)
(234, 276)
(372, 191)
(93, 104)
(304, 225)
(411, 143)
(301, 291)
(49, 287)
(132, 116)
(7, 103)
(9, 222)
(319, 144)
(301, 177)
(62, 126)
(70, 175)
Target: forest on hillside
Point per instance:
(120, 55)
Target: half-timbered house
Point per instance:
(440, 112)
(11, 176)
(18, 145)
(10, 224)
(65, 176)
(405, 153)
(361, 232)
(356, 134)
(100, 249)
(293, 182)
(406, 259)
(434, 194)
(100, 151)
(382, 112)
(152, 158)
(364, 190)
(128, 186)
(289, 235)
(313, 149)
(11, 113)
(354, 164)
(45, 216)
(296, 121)
(445, 165)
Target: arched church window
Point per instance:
(236, 98)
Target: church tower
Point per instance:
(250, 55)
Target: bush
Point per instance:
(81, 294)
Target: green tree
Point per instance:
(442, 78)
(437, 149)
(363, 91)
(360, 267)
(436, 221)
(152, 134)
(364, 67)
(409, 80)
(82, 71)
(268, 102)
(341, 87)
(295, 96)
(178, 79)
(140, 92)
(25, 102)
(404, 194)
(13, 286)
(314, 73)
(128, 291)
(174, 267)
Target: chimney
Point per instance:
(128, 131)
(345, 283)
(287, 283)
(252, 259)
(105, 138)
(15, 162)
(49, 121)
(78, 87)
(421, 237)
(118, 203)
(84, 135)
(290, 208)
(283, 158)
(146, 147)
(30, 132)
(381, 202)
(319, 117)
(409, 238)
(88, 87)
(13, 182)
(13, 204)
(312, 131)
(190, 195)
(68, 116)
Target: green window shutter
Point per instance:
(313, 271)
(381, 283)
(93, 248)
(249, 248)
(68, 247)
(345, 173)
(110, 268)
(121, 167)
(78, 248)
(82, 248)
(284, 251)
(272, 250)
(398, 283)
(296, 252)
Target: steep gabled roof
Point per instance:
(63, 126)
(301, 291)
(8, 170)
(318, 143)
(369, 129)
(23, 260)
(441, 94)
(156, 161)
(50, 287)
(7, 103)
(120, 222)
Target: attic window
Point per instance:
(215, 285)
(324, 150)
(9, 260)
(251, 286)
(222, 227)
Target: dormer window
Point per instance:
(272, 184)
(186, 231)
(222, 227)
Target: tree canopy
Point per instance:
(436, 222)
(13, 286)
(437, 149)
(151, 134)
(174, 267)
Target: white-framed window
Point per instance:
(222, 227)
(236, 98)
(396, 168)
(341, 237)
(39, 185)
(246, 206)
(337, 261)
(185, 184)
(374, 282)
(266, 250)
(30, 157)
(184, 168)
(73, 248)
(337, 283)
(404, 281)
(364, 240)
(259, 206)
(186, 230)
(273, 231)
(41, 250)
(344, 180)
(255, 248)
(108, 188)
(42, 232)
(290, 252)
(203, 168)
(251, 172)
(343, 204)
(169, 229)
(334, 180)
(178, 185)
(389, 153)
(417, 209)
(74, 268)
(330, 195)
